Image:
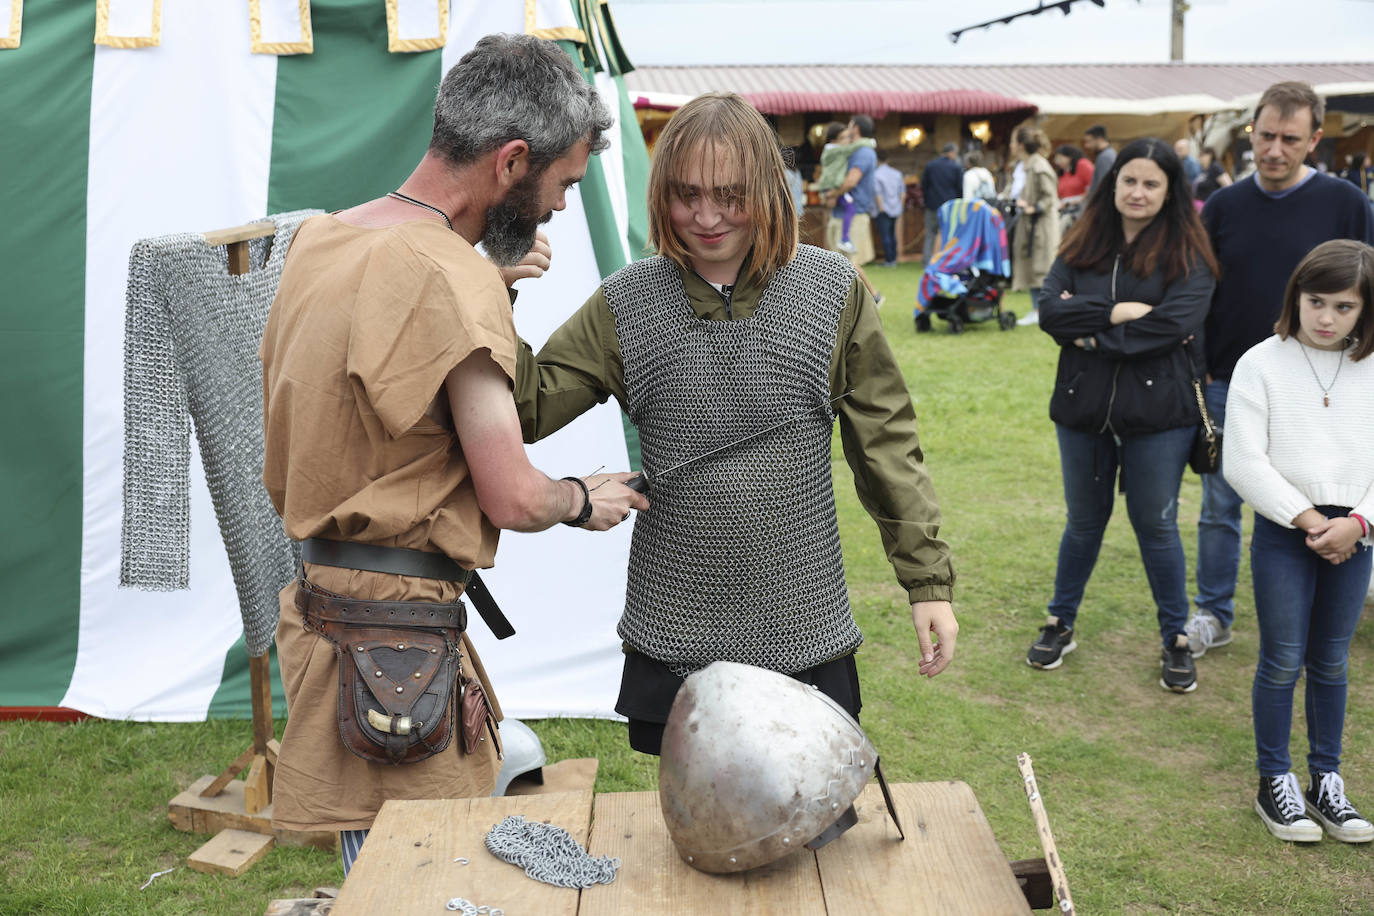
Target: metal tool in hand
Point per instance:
(640, 482)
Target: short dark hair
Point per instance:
(949, 148)
(516, 87)
(1290, 97)
(1097, 130)
(864, 123)
(1333, 267)
(1174, 241)
(973, 159)
(882, 155)
(833, 130)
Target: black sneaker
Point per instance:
(1176, 669)
(1280, 805)
(1048, 651)
(1327, 804)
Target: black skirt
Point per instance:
(648, 686)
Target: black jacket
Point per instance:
(1137, 378)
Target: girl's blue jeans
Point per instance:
(1307, 612)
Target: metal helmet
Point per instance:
(522, 754)
(755, 765)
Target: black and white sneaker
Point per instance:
(1280, 805)
(1054, 642)
(1176, 669)
(1327, 804)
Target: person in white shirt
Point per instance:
(978, 183)
(1299, 448)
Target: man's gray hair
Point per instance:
(516, 87)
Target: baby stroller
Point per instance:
(964, 282)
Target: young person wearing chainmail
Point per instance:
(393, 448)
(731, 328)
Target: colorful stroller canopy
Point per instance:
(975, 239)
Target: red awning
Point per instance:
(878, 103)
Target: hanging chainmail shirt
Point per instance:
(191, 353)
(758, 519)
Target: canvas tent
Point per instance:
(128, 119)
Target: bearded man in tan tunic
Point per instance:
(391, 432)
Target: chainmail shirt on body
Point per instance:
(739, 558)
(191, 338)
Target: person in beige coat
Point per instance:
(1035, 238)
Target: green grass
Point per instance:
(1149, 794)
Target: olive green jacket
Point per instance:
(580, 366)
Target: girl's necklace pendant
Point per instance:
(1326, 400)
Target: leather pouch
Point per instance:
(395, 692)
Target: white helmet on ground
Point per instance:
(523, 755)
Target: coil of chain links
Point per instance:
(468, 908)
(549, 854)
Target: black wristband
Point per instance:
(586, 513)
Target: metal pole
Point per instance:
(1179, 7)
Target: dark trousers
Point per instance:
(887, 231)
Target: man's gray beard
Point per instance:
(511, 227)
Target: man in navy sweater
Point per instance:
(1260, 228)
(942, 180)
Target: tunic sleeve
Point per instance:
(577, 368)
(419, 316)
(879, 436)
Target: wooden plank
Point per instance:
(256, 792)
(239, 262)
(407, 862)
(230, 852)
(258, 230)
(260, 681)
(193, 813)
(949, 862)
(563, 776)
(654, 879)
(232, 770)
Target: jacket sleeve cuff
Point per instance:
(930, 593)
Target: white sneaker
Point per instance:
(1032, 318)
(1205, 632)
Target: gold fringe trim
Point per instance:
(396, 44)
(102, 29)
(305, 46)
(11, 38)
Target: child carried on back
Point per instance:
(840, 144)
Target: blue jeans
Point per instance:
(1218, 528)
(1152, 470)
(1307, 612)
(887, 231)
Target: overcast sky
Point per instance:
(916, 31)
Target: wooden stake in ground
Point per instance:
(1042, 826)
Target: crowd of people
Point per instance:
(391, 346)
(1254, 309)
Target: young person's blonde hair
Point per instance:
(722, 129)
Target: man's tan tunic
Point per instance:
(366, 325)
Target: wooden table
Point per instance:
(949, 863)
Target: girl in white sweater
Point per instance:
(1299, 448)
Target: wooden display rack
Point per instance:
(240, 812)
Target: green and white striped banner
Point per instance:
(171, 123)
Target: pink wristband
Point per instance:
(1364, 525)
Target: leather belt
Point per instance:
(403, 561)
(316, 604)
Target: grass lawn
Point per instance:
(1149, 793)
